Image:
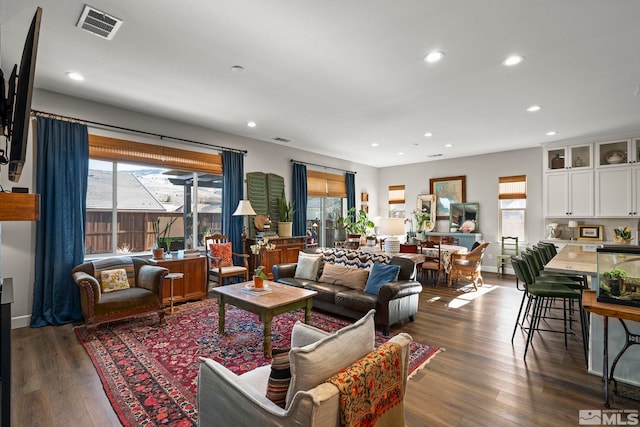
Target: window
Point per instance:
(396, 201)
(326, 194)
(131, 186)
(512, 195)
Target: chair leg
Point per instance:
(515, 327)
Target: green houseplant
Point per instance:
(285, 212)
(160, 235)
(614, 279)
(357, 224)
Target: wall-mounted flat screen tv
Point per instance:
(17, 101)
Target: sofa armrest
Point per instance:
(150, 277)
(226, 399)
(398, 289)
(284, 270)
(89, 284)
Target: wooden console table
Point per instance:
(622, 313)
(286, 250)
(193, 286)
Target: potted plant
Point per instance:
(285, 211)
(357, 225)
(623, 235)
(259, 277)
(161, 236)
(614, 278)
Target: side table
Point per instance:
(172, 277)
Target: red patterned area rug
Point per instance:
(150, 373)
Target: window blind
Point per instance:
(512, 187)
(396, 194)
(322, 184)
(114, 149)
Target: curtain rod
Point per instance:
(322, 166)
(58, 116)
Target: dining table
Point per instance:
(446, 252)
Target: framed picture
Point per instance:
(447, 190)
(589, 232)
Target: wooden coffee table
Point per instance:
(282, 299)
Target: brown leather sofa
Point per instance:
(396, 301)
(144, 296)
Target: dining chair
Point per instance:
(468, 266)
(220, 260)
(449, 240)
(432, 264)
(508, 247)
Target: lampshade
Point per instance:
(391, 227)
(573, 224)
(244, 208)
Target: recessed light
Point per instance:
(400, 153)
(428, 134)
(551, 133)
(448, 145)
(75, 76)
(237, 68)
(534, 108)
(513, 60)
(434, 56)
(251, 124)
(374, 144)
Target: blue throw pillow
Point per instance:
(381, 274)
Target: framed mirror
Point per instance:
(463, 217)
(426, 204)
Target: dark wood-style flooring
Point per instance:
(480, 380)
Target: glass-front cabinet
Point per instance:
(570, 157)
(617, 153)
(619, 274)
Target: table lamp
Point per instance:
(392, 228)
(572, 226)
(244, 209)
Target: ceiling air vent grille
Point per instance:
(435, 155)
(279, 139)
(98, 23)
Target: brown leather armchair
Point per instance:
(145, 295)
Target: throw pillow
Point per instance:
(280, 377)
(314, 363)
(114, 280)
(308, 266)
(381, 274)
(303, 334)
(221, 250)
(100, 265)
(351, 277)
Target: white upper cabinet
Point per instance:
(616, 153)
(569, 157)
(569, 193)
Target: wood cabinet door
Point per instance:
(195, 283)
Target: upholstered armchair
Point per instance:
(316, 359)
(119, 287)
(468, 266)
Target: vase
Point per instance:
(285, 229)
(258, 282)
(622, 241)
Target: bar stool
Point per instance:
(172, 277)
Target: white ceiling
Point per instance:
(336, 76)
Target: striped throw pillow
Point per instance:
(280, 377)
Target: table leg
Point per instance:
(266, 322)
(307, 311)
(220, 314)
(605, 361)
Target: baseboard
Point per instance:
(20, 321)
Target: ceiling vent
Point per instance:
(98, 23)
(279, 139)
(435, 155)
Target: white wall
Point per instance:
(18, 238)
(482, 174)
